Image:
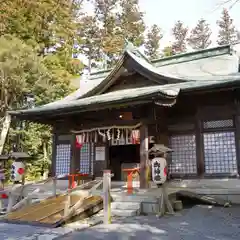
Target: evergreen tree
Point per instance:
(152, 43)
(227, 33)
(179, 32)
(42, 23)
(200, 35)
(119, 20)
(131, 22)
(24, 71)
(90, 40)
(107, 41)
(36, 46)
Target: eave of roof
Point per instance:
(128, 96)
(131, 96)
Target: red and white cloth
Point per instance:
(135, 136)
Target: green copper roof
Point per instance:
(92, 97)
(128, 96)
(98, 81)
(194, 55)
(175, 59)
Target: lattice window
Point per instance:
(86, 163)
(218, 124)
(183, 158)
(220, 152)
(63, 155)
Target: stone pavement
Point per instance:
(197, 223)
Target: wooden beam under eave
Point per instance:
(144, 156)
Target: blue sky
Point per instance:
(166, 12)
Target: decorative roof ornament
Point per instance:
(129, 45)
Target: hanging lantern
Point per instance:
(17, 171)
(159, 170)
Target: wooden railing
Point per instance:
(89, 189)
(75, 178)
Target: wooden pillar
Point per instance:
(199, 145)
(74, 158)
(237, 138)
(143, 156)
(54, 148)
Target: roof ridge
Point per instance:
(218, 50)
(182, 57)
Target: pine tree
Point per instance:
(200, 35)
(90, 40)
(179, 32)
(106, 18)
(227, 33)
(152, 43)
(41, 22)
(131, 22)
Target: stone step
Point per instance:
(124, 213)
(133, 198)
(126, 205)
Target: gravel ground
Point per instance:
(197, 223)
(25, 232)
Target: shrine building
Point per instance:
(188, 102)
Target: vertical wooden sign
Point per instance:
(106, 196)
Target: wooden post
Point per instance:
(74, 155)
(10, 202)
(54, 186)
(67, 205)
(143, 156)
(106, 196)
(199, 145)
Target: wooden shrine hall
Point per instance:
(188, 102)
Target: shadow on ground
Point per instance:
(196, 223)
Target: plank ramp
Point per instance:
(50, 212)
(57, 210)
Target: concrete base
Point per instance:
(150, 208)
(125, 213)
(125, 209)
(227, 189)
(126, 205)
